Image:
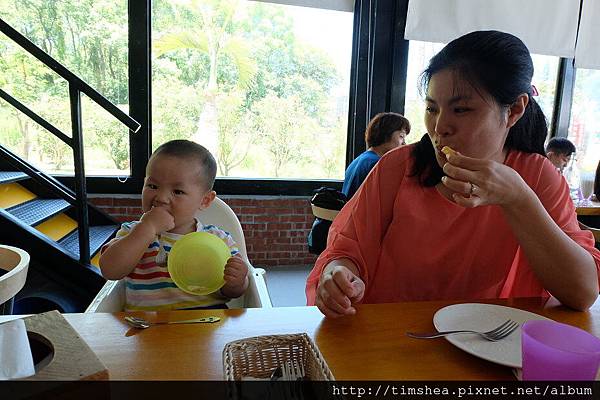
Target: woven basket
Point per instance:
(259, 356)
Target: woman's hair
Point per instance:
(494, 63)
(381, 127)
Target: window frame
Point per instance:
(377, 72)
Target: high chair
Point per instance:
(111, 298)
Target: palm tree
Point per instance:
(217, 39)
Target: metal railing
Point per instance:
(75, 142)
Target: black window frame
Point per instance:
(378, 70)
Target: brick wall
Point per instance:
(275, 227)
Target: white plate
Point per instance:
(484, 317)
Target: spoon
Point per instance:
(141, 323)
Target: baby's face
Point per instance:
(175, 184)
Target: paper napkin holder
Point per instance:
(59, 353)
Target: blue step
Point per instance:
(98, 236)
(12, 176)
(37, 211)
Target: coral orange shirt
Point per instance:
(410, 243)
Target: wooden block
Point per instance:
(71, 358)
(16, 262)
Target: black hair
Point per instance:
(561, 146)
(383, 125)
(500, 65)
(188, 149)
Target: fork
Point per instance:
(494, 335)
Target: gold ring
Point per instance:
(472, 190)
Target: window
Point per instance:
(584, 127)
(544, 79)
(90, 39)
(263, 86)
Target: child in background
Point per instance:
(559, 151)
(179, 180)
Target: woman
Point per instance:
(492, 220)
(385, 132)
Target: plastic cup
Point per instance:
(196, 263)
(554, 351)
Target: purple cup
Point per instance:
(554, 351)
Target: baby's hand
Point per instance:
(236, 272)
(159, 219)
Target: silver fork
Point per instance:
(494, 335)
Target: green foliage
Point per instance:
(284, 130)
(272, 93)
(235, 139)
(176, 110)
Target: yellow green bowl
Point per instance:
(196, 263)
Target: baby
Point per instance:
(179, 181)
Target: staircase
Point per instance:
(55, 224)
(46, 227)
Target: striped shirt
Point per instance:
(150, 287)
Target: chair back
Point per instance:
(222, 216)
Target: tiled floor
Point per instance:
(286, 284)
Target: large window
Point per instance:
(544, 79)
(88, 37)
(263, 86)
(584, 127)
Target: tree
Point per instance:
(285, 131)
(216, 38)
(235, 137)
(167, 124)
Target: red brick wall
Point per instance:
(275, 228)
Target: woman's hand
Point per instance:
(563, 267)
(337, 290)
(476, 182)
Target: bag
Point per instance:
(325, 204)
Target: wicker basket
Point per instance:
(259, 356)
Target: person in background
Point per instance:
(385, 132)
(559, 151)
(474, 210)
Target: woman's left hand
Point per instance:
(476, 182)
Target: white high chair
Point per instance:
(111, 298)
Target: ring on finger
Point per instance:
(472, 188)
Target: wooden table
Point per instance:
(368, 346)
(593, 209)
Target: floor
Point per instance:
(286, 284)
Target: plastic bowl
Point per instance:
(196, 263)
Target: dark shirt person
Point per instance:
(385, 132)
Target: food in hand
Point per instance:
(448, 151)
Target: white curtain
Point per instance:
(587, 53)
(547, 27)
(337, 5)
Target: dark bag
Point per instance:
(325, 203)
(317, 237)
